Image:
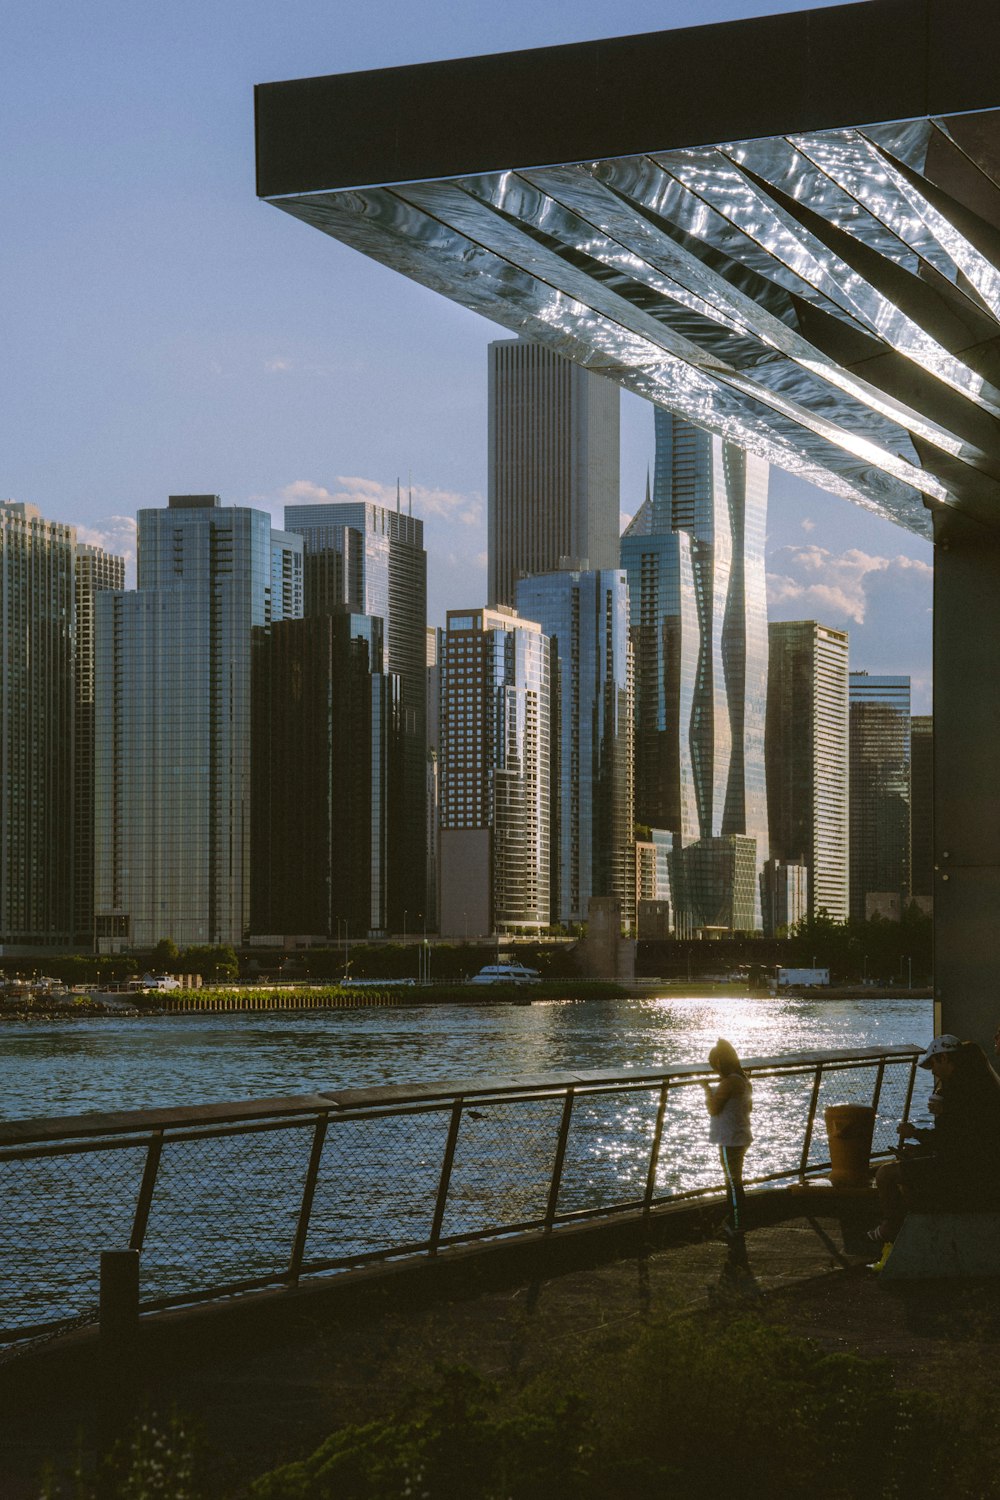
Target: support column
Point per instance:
(966, 777)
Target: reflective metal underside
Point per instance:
(830, 301)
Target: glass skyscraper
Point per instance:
(173, 720)
(495, 774)
(327, 770)
(96, 572)
(694, 555)
(807, 758)
(553, 466)
(370, 559)
(880, 792)
(36, 727)
(585, 615)
(922, 809)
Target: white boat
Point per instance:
(506, 974)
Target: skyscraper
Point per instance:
(96, 571)
(495, 774)
(880, 792)
(371, 560)
(585, 615)
(327, 767)
(36, 726)
(433, 780)
(922, 809)
(694, 555)
(173, 722)
(553, 466)
(807, 758)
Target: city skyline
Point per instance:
(158, 345)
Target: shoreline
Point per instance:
(252, 1002)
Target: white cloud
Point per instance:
(814, 581)
(807, 525)
(277, 366)
(115, 534)
(885, 603)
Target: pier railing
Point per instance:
(227, 1198)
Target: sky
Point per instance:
(164, 332)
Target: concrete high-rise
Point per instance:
(585, 616)
(554, 442)
(694, 555)
(880, 793)
(495, 774)
(173, 722)
(96, 572)
(37, 609)
(370, 559)
(807, 758)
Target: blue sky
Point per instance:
(165, 332)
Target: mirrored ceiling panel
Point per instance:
(830, 301)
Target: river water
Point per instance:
(226, 1208)
(102, 1063)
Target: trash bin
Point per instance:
(849, 1129)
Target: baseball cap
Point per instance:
(943, 1043)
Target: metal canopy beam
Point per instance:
(815, 280)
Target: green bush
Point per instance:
(689, 1410)
(455, 1441)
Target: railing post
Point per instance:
(654, 1154)
(446, 1165)
(308, 1193)
(557, 1164)
(877, 1091)
(909, 1088)
(813, 1102)
(117, 1348)
(145, 1200)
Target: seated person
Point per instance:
(957, 1162)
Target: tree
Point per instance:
(210, 962)
(165, 955)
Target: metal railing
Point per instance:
(227, 1198)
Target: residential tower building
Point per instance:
(495, 774)
(96, 572)
(585, 616)
(880, 793)
(37, 702)
(922, 810)
(172, 703)
(808, 759)
(370, 559)
(327, 778)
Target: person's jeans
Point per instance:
(735, 1220)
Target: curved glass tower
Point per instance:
(695, 561)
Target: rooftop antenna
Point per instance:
(409, 489)
(397, 495)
